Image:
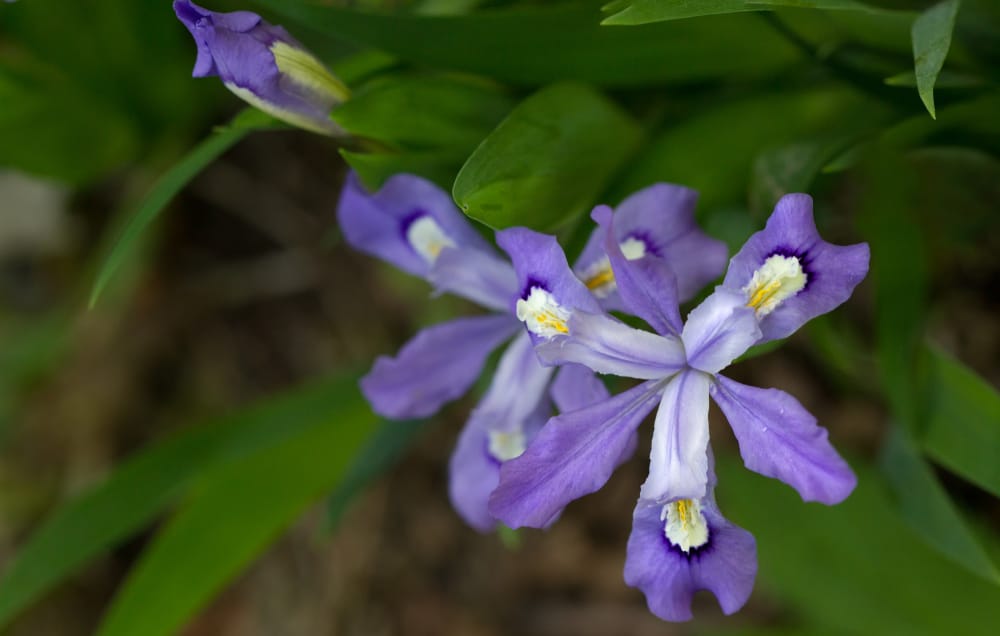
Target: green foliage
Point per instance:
(560, 41)
(203, 462)
(632, 12)
(548, 161)
(931, 41)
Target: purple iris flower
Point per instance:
(263, 65)
(782, 277)
(680, 547)
(414, 225)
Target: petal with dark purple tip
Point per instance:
(678, 458)
(646, 285)
(726, 565)
(573, 455)
(540, 262)
(779, 438)
(438, 365)
(378, 223)
(832, 271)
(606, 345)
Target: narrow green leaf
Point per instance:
(540, 43)
(928, 509)
(826, 5)
(549, 160)
(931, 40)
(382, 450)
(142, 487)
(236, 510)
(170, 184)
(962, 421)
(853, 568)
(645, 11)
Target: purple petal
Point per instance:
(606, 345)
(647, 285)
(473, 473)
(779, 438)
(438, 365)
(573, 455)
(576, 387)
(540, 262)
(378, 224)
(662, 217)
(832, 271)
(719, 330)
(678, 459)
(476, 275)
(518, 387)
(726, 565)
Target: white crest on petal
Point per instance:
(427, 238)
(685, 525)
(599, 277)
(542, 314)
(506, 446)
(779, 278)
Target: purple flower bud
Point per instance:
(263, 65)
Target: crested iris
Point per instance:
(414, 225)
(263, 65)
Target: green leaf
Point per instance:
(235, 511)
(962, 427)
(543, 43)
(827, 5)
(791, 168)
(170, 184)
(548, 161)
(374, 168)
(853, 568)
(928, 509)
(382, 450)
(425, 111)
(931, 40)
(142, 487)
(645, 11)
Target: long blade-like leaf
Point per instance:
(931, 40)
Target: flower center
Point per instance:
(779, 278)
(427, 238)
(599, 277)
(542, 314)
(685, 525)
(506, 446)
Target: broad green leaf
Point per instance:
(425, 111)
(235, 511)
(548, 160)
(645, 11)
(142, 487)
(853, 568)
(549, 42)
(713, 150)
(962, 427)
(170, 184)
(928, 509)
(931, 41)
(382, 450)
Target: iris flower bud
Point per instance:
(263, 65)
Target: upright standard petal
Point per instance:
(518, 387)
(573, 455)
(476, 275)
(408, 222)
(779, 438)
(438, 365)
(718, 331)
(790, 274)
(264, 66)
(540, 262)
(725, 564)
(606, 345)
(647, 285)
(659, 221)
(678, 459)
(575, 387)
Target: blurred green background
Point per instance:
(181, 327)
